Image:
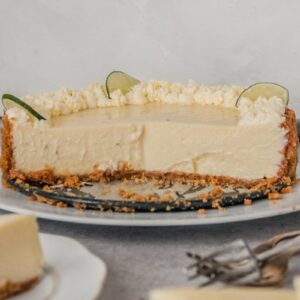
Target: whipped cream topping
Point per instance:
(67, 101)
(261, 111)
(176, 93)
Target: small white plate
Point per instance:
(71, 272)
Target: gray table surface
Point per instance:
(141, 259)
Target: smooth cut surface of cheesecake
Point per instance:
(21, 257)
(152, 137)
(158, 130)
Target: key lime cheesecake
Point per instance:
(224, 294)
(20, 251)
(157, 130)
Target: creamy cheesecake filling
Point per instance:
(20, 251)
(203, 139)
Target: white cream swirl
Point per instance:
(67, 101)
(261, 111)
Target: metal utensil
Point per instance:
(236, 264)
(224, 265)
(274, 269)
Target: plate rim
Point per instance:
(82, 247)
(153, 222)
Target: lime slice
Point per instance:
(10, 101)
(118, 80)
(265, 89)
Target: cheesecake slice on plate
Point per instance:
(156, 130)
(21, 258)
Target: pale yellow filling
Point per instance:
(20, 252)
(223, 294)
(153, 137)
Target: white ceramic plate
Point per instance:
(16, 202)
(71, 272)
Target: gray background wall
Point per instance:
(48, 44)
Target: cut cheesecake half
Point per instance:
(157, 131)
(20, 252)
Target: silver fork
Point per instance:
(224, 265)
(236, 264)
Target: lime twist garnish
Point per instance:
(10, 101)
(118, 80)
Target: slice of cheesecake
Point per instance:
(223, 294)
(21, 257)
(155, 131)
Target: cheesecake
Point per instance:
(224, 294)
(20, 252)
(152, 131)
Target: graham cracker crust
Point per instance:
(286, 173)
(10, 288)
(7, 157)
